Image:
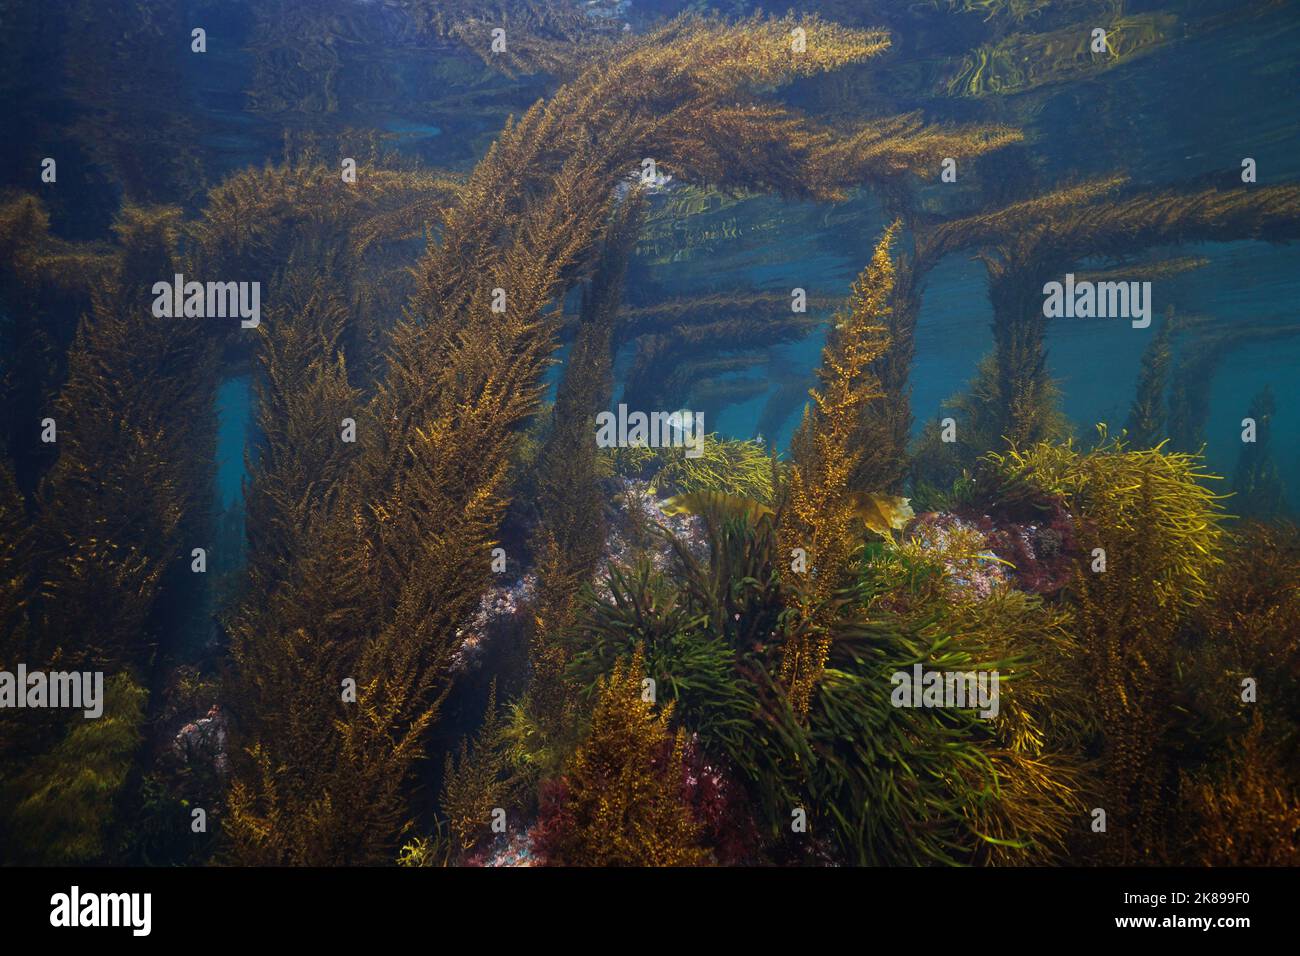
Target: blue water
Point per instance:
(234, 423)
(1196, 105)
(412, 131)
(1191, 108)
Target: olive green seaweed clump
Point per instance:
(724, 465)
(1151, 538)
(879, 783)
(62, 806)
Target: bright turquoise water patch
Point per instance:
(234, 419)
(410, 131)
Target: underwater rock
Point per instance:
(499, 610)
(718, 803)
(968, 557)
(636, 510)
(1035, 554)
(509, 849)
(204, 741)
(1043, 551)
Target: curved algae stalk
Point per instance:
(401, 556)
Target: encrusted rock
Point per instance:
(500, 608)
(204, 741)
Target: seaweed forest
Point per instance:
(558, 433)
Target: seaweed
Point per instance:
(683, 705)
(883, 151)
(620, 801)
(660, 376)
(119, 110)
(1194, 369)
(1025, 61)
(1158, 531)
(1064, 227)
(571, 532)
(62, 804)
(726, 465)
(825, 452)
(1256, 484)
(115, 510)
(1146, 418)
(1247, 813)
(46, 286)
(481, 781)
(692, 664)
(386, 582)
(569, 536)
